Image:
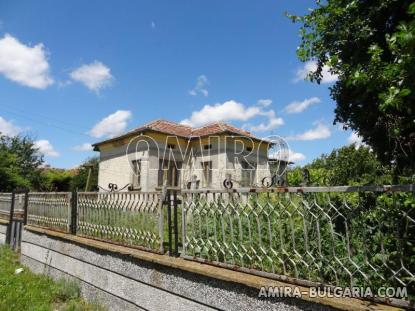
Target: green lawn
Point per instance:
(28, 291)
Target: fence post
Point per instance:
(161, 217)
(25, 206)
(176, 225)
(169, 222)
(9, 227)
(173, 226)
(184, 224)
(74, 212)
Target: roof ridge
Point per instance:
(240, 129)
(220, 123)
(174, 128)
(166, 121)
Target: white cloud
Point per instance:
(8, 128)
(296, 156)
(297, 107)
(288, 155)
(264, 102)
(320, 131)
(229, 110)
(23, 64)
(112, 125)
(200, 87)
(354, 138)
(46, 148)
(232, 110)
(273, 122)
(311, 66)
(83, 147)
(94, 76)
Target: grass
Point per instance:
(29, 291)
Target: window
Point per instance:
(207, 173)
(248, 174)
(169, 171)
(136, 178)
(207, 147)
(170, 146)
(249, 149)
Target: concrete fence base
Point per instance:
(3, 230)
(121, 282)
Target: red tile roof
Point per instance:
(220, 127)
(166, 127)
(172, 128)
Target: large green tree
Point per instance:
(370, 45)
(19, 163)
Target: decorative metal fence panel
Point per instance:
(5, 205)
(49, 210)
(340, 236)
(128, 218)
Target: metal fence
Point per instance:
(336, 236)
(50, 210)
(128, 218)
(5, 204)
(340, 236)
(12, 207)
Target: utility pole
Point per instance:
(88, 180)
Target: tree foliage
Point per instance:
(21, 166)
(348, 165)
(20, 163)
(79, 181)
(370, 45)
(56, 180)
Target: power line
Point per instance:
(21, 111)
(24, 115)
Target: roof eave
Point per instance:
(140, 130)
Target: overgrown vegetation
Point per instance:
(343, 239)
(357, 238)
(349, 165)
(370, 45)
(22, 166)
(79, 180)
(27, 291)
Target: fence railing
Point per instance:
(340, 236)
(5, 205)
(128, 218)
(50, 210)
(336, 236)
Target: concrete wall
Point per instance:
(3, 229)
(122, 282)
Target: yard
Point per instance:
(28, 291)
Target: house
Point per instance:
(182, 156)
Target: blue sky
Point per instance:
(76, 72)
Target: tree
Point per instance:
(349, 165)
(56, 179)
(370, 45)
(80, 179)
(19, 163)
